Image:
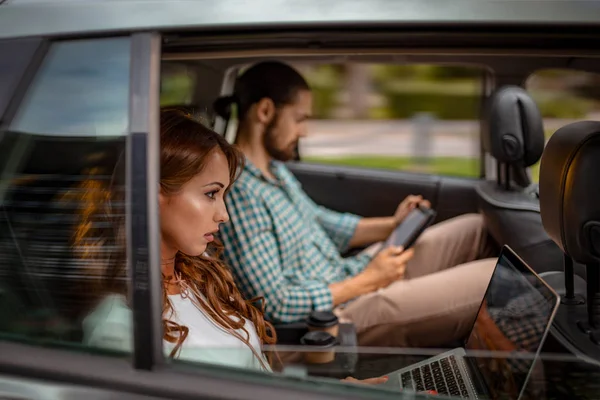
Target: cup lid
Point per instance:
(322, 319)
(318, 339)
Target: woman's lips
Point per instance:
(209, 237)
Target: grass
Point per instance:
(449, 166)
(452, 166)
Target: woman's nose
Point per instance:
(222, 215)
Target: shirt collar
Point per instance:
(257, 173)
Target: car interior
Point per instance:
(512, 136)
(555, 228)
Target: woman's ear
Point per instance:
(162, 198)
(265, 110)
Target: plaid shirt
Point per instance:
(284, 247)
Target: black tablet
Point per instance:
(409, 230)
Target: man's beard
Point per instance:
(270, 143)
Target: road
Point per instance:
(394, 138)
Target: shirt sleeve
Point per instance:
(340, 227)
(252, 250)
(109, 326)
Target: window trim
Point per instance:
(487, 164)
(22, 85)
(173, 382)
(143, 174)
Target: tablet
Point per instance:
(409, 230)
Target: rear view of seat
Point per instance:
(514, 136)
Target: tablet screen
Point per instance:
(413, 222)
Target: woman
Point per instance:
(205, 317)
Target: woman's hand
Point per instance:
(370, 381)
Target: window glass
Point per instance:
(59, 189)
(416, 118)
(178, 84)
(81, 91)
(564, 96)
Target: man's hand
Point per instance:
(387, 267)
(408, 204)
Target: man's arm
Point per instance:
(364, 231)
(260, 271)
(371, 230)
(252, 250)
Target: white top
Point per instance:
(110, 326)
(204, 332)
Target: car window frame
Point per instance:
(20, 69)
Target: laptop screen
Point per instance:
(514, 316)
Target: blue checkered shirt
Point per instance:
(284, 247)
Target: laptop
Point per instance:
(515, 316)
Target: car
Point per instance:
(82, 81)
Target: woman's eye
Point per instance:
(211, 195)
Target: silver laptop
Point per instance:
(515, 316)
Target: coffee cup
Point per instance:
(325, 321)
(320, 346)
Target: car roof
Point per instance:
(22, 18)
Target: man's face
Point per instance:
(287, 127)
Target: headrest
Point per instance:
(515, 130)
(570, 190)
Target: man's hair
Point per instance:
(269, 79)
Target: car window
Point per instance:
(58, 162)
(563, 96)
(191, 87)
(415, 118)
(177, 84)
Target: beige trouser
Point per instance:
(437, 300)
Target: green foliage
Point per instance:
(401, 105)
(325, 82)
(561, 105)
(451, 166)
(176, 89)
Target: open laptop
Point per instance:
(515, 316)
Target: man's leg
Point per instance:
(424, 312)
(447, 244)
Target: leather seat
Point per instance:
(514, 136)
(570, 211)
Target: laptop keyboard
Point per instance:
(443, 376)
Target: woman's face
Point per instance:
(190, 218)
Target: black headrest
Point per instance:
(515, 130)
(570, 190)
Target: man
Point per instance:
(285, 248)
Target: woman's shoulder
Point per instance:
(109, 325)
